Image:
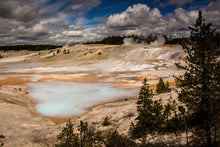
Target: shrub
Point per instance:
(113, 139)
(106, 122)
(58, 51)
(1, 142)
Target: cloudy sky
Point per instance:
(65, 21)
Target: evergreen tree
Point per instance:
(162, 87)
(157, 118)
(88, 138)
(150, 117)
(167, 112)
(183, 117)
(67, 138)
(144, 109)
(168, 87)
(113, 139)
(199, 84)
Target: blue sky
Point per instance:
(109, 7)
(65, 21)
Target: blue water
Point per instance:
(67, 99)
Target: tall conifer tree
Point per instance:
(150, 116)
(199, 84)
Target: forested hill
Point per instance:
(29, 47)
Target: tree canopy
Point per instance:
(199, 85)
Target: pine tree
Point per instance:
(162, 87)
(150, 118)
(82, 128)
(67, 138)
(158, 118)
(167, 112)
(87, 137)
(199, 84)
(168, 87)
(114, 139)
(144, 109)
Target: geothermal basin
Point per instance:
(66, 99)
(67, 85)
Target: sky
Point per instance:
(67, 21)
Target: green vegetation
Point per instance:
(119, 40)
(113, 40)
(106, 122)
(199, 85)
(113, 139)
(149, 113)
(1, 138)
(67, 138)
(162, 87)
(29, 47)
(87, 137)
(153, 117)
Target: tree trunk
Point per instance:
(215, 134)
(187, 139)
(208, 133)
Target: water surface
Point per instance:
(67, 99)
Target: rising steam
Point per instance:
(160, 41)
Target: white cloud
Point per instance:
(25, 22)
(136, 20)
(130, 17)
(73, 33)
(140, 19)
(39, 28)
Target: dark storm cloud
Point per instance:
(21, 10)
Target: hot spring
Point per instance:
(67, 99)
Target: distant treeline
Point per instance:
(118, 40)
(113, 40)
(29, 47)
